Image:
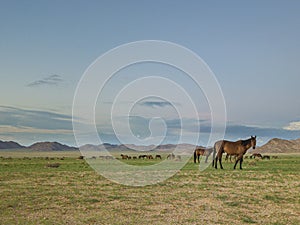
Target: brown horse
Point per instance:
(149, 157)
(266, 157)
(200, 151)
(254, 155)
(142, 156)
(238, 148)
(158, 157)
(124, 156)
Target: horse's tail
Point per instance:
(195, 156)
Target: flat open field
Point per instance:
(265, 192)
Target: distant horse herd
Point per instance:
(170, 156)
(140, 157)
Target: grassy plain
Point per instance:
(265, 192)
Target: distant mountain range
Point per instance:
(10, 145)
(56, 146)
(128, 147)
(277, 145)
(39, 146)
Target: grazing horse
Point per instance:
(124, 156)
(142, 156)
(200, 151)
(158, 157)
(238, 148)
(149, 157)
(258, 155)
(171, 156)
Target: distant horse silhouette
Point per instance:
(238, 148)
(124, 156)
(200, 151)
(254, 155)
(149, 157)
(266, 157)
(142, 156)
(171, 156)
(158, 157)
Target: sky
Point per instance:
(252, 48)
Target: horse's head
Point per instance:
(253, 142)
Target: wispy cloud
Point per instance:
(38, 119)
(49, 80)
(233, 131)
(28, 126)
(155, 104)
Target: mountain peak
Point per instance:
(50, 146)
(277, 145)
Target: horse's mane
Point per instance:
(246, 142)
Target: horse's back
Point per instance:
(226, 146)
(232, 148)
(208, 151)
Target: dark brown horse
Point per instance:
(158, 157)
(149, 157)
(142, 156)
(238, 148)
(254, 155)
(200, 151)
(266, 157)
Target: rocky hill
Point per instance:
(10, 145)
(277, 145)
(50, 146)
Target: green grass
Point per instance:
(32, 193)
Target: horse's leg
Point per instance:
(238, 159)
(216, 162)
(206, 158)
(235, 164)
(241, 161)
(214, 155)
(198, 158)
(220, 161)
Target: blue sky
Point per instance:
(251, 46)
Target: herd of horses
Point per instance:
(170, 156)
(140, 157)
(236, 149)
